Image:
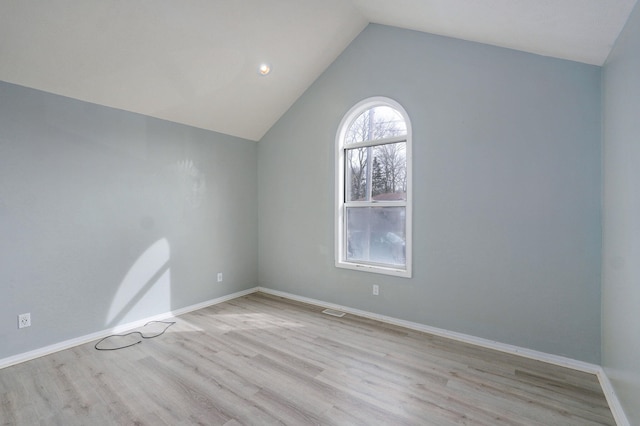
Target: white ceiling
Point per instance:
(195, 62)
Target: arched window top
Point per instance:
(374, 119)
(375, 123)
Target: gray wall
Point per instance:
(107, 217)
(507, 226)
(621, 218)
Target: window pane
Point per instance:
(356, 174)
(388, 176)
(376, 123)
(389, 172)
(376, 234)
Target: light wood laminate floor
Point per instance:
(263, 360)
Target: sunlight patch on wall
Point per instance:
(146, 289)
(192, 185)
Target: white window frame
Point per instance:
(341, 205)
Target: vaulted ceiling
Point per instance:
(196, 61)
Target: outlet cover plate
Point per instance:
(24, 320)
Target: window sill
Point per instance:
(385, 270)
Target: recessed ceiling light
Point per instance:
(264, 69)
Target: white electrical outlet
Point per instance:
(219, 277)
(376, 290)
(24, 320)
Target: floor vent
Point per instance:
(333, 312)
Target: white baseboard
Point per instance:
(607, 388)
(612, 399)
(26, 356)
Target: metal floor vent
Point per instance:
(333, 312)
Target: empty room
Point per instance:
(367, 212)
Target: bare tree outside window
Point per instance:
(392, 161)
(357, 173)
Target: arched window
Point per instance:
(373, 193)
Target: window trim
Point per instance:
(341, 204)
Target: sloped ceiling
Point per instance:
(195, 62)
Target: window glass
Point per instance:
(389, 172)
(376, 234)
(357, 174)
(376, 123)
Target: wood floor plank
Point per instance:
(264, 360)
